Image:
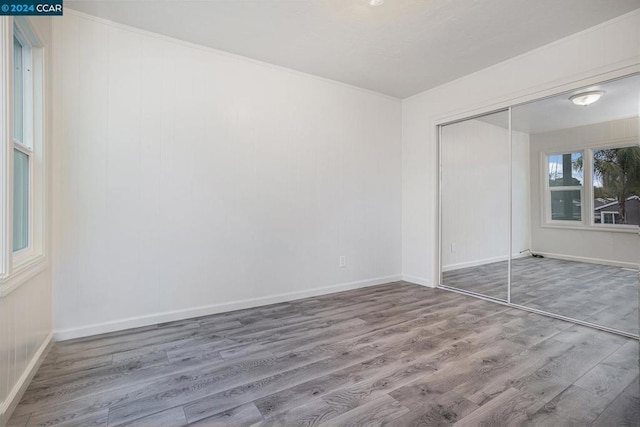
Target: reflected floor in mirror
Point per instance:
(600, 294)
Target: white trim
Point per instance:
(418, 281)
(618, 228)
(169, 316)
(484, 261)
(474, 263)
(438, 211)
(9, 405)
(27, 30)
(510, 197)
(73, 12)
(22, 273)
(6, 84)
(612, 263)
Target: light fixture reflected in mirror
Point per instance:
(375, 2)
(586, 98)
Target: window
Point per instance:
(22, 139)
(612, 187)
(610, 218)
(22, 154)
(565, 184)
(616, 185)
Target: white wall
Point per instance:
(592, 245)
(25, 327)
(26, 312)
(475, 193)
(608, 49)
(190, 181)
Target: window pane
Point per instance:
(20, 200)
(616, 186)
(17, 90)
(565, 170)
(610, 218)
(565, 205)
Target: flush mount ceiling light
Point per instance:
(375, 2)
(586, 98)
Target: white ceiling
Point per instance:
(621, 100)
(400, 48)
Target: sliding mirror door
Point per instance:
(576, 205)
(474, 189)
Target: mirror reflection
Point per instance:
(584, 194)
(544, 213)
(474, 205)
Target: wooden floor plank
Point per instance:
(243, 415)
(624, 411)
(580, 406)
(166, 418)
(441, 410)
(378, 412)
(507, 409)
(397, 354)
(262, 387)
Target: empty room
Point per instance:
(319, 212)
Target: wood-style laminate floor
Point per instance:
(395, 354)
(599, 294)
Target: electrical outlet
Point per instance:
(453, 248)
(343, 261)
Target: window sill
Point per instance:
(21, 273)
(625, 230)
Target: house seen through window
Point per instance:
(616, 186)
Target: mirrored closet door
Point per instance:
(474, 155)
(540, 205)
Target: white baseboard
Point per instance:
(484, 261)
(633, 266)
(9, 405)
(418, 281)
(169, 316)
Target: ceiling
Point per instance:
(399, 48)
(621, 100)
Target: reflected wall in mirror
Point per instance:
(474, 158)
(584, 174)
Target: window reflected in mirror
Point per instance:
(616, 186)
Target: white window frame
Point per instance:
(26, 145)
(613, 215)
(17, 267)
(548, 189)
(586, 190)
